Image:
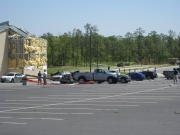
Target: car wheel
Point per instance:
(81, 79)
(123, 80)
(110, 80)
(12, 81)
(137, 79)
(148, 77)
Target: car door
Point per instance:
(16, 77)
(98, 74)
(20, 77)
(133, 76)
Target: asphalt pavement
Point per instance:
(148, 107)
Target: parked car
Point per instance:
(66, 78)
(121, 77)
(120, 65)
(149, 74)
(58, 75)
(73, 74)
(136, 76)
(12, 77)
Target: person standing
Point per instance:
(44, 77)
(175, 76)
(39, 78)
(155, 70)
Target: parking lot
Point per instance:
(149, 107)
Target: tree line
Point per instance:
(78, 48)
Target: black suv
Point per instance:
(149, 74)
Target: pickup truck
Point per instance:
(170, 74)
(99, 75)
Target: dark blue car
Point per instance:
(136, 76)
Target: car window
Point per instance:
(107, 71)
(60, 73)
(9, 74)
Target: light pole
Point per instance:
(90, 48)
(179, 51)
(97, 53)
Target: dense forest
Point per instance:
(78, 49)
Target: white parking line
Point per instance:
(12, 123)
(44, 113)
(30, 118)
(123, 102)
(39, 119)
(75, 109)
(25, 100)
(157, 98)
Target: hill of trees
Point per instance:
(78, 49)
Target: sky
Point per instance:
(112, 17)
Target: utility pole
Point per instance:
(179, 50)
(97, 54)
(90, 48)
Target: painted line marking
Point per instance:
(45, 113)
(30, 118)
(121, 101)
(39, 119)
(98, 105)
(27, 100)
(12, 123)
(56, 98)
(139, 98)
(74, 108)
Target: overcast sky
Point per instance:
(112, 17)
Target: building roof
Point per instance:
(13, 29)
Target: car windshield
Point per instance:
(107, 71)
(118, 71)
(9, 74)
(60, 73)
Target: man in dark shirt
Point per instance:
(39, 77)
(175, 76)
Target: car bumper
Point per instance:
(5, 80)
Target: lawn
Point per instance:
(112, 66)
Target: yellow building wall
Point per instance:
(20, 56)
